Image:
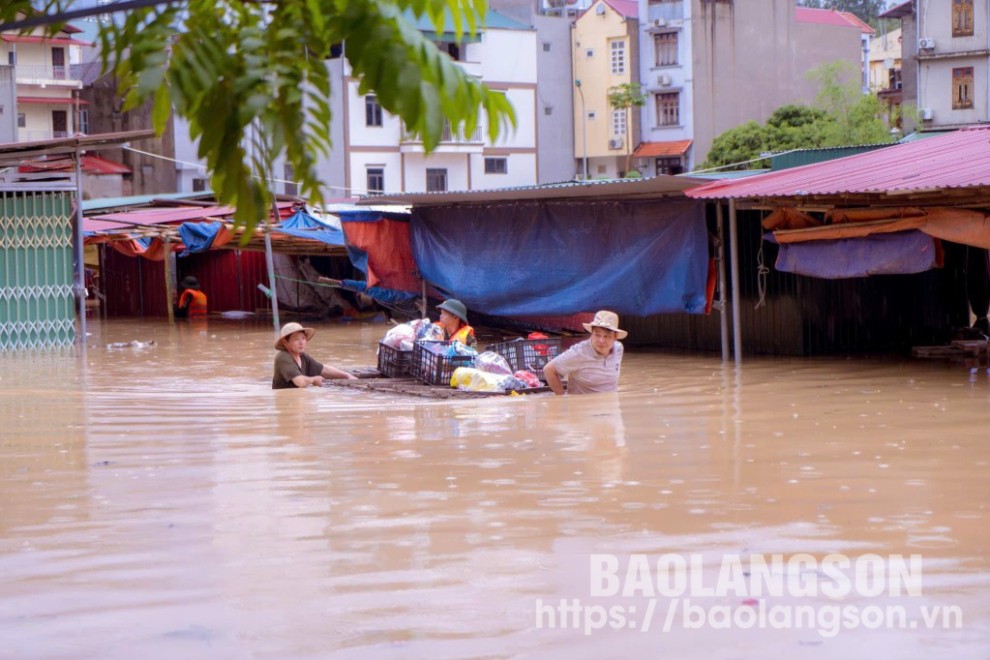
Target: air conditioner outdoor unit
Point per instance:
(659, 22)
(664, 80)
(615, 143)
(926, 43)
(927, 114)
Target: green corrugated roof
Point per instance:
(799, 157)
(136, 200)
(493, 21)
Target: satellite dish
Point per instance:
(600, 9)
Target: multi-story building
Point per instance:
(711, 66)
(885, 72)
(606, 56)
(946, 62)
(38, 85)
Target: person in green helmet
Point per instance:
(453, 322)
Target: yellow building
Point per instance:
(605, 54)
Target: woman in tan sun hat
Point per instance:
(594, 364)
(293, 366)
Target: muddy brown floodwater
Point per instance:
(164, 502)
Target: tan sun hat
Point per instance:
(290, 329)
(608, 320)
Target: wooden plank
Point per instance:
(936, 351)
(412, 387)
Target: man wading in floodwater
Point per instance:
(594, 364)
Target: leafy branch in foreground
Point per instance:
(252, 82)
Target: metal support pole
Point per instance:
(734, 257)
(169, 293)
(78, 244)
(425, 304)
(270, 262)
(720, 256)
(584, 132)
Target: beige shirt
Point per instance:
(587, 371)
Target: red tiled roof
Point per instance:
(960, 159)
(662, 149)
(899, 11)
(53, 100)
(831, 17)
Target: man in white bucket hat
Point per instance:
(293, 366)
(594, 364)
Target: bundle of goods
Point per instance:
(530, 354)
(433, 362)
(395, 350)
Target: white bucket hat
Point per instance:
(607, 320)
(291, 329)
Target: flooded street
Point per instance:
(164, 502)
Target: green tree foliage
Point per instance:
(624, 97)
(251, 78)
(842, 116)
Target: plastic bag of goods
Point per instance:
(493, 363)
(473, 380)
(456, 349)
(430, 332)
(399, 335)
(528, 377)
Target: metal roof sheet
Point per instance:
(167, 215)
(960, 159)
(592, 190)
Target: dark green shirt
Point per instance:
(286, 369)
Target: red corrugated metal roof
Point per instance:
(162, 216)
(89, 164)
(831, 17)
(960, 159)
(662, 149)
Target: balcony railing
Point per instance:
(446, 136)
(34, 136)
(27, 73)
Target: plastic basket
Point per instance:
(528, 354)
(431, 366)
(393, 363)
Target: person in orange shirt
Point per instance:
(453, 321)
(192, 301)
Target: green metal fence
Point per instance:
(36, 277)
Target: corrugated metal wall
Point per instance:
(809, 316)
(135, 286)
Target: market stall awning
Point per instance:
(956, 164)
(168, 215)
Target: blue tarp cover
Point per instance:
(303, 225)
(198, 236)
(537, 258)
(899, 253)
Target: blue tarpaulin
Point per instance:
(537, 258)
(898, 253)
(198, 236)
(303, 225)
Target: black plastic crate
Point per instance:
(393, 363)
(528, 354)
(430, 365)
